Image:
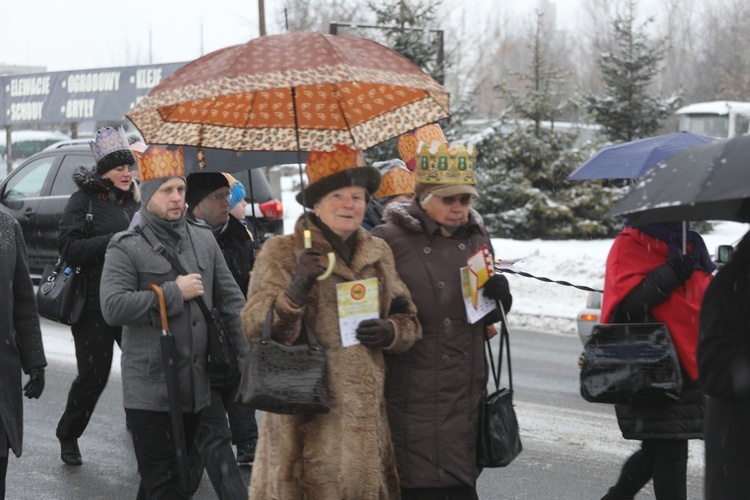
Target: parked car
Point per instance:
(36, 193)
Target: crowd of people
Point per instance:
(404, 384)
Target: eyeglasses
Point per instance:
(219, 197)
(464, 199)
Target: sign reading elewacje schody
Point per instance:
(104, 94)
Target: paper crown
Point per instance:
(111, 149)
(408, 143)
(158, 162)
(396, 179)
(446, 164)
(330, 170)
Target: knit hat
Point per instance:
(236, 191)
(445, 170)
(111, 149)
(396, 179)
(331, 170)
(156, 165)
(201, 184)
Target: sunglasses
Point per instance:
(464, 199)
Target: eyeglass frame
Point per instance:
(218, 197)
(464, 199)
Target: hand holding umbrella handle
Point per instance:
(162, 308)
(331, 257)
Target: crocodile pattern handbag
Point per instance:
(280, 378)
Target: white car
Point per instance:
(589, 316)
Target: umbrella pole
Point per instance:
(684, 237)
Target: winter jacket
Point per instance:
(433, 390)
(373, 215)
(347, 453)
(641, 287)
(724, 368)
(131, 264)
(112, 211)
(20, 336)
(237, 247)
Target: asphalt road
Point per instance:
(572, 449)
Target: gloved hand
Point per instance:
(375, 332)
(35, 385)
(683, 267)
(497, 288)
(308, 269)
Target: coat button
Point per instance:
(195, 359)
(446, 322)
(427, 250)
(441, 285)
(462, 246)
(195, 322)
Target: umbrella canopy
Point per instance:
(289, 92)
(224, 160)
(631, 160)
(709, 182)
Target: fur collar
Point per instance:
(404, 216)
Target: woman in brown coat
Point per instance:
(347, 453)
(433, 391)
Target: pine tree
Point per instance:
(628, 109)
(523, 165)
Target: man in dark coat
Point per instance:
(207, 197)
(724, 370)
(134, 262)
(21, 345)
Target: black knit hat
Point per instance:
(201, 184)
(114, 160)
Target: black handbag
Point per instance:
(499, 440)
(630, 364)
(286, 379)
(61, 295)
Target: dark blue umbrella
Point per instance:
(631, 160)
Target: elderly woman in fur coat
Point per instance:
(347, 453)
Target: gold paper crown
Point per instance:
(446, 164)
(408, 143)
(398, 180)
(157, 162)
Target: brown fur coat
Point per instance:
(347, 453)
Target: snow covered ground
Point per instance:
(536, 304)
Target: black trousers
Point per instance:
(94, 342)
(664, 461)
(242, 422)
(154, 446)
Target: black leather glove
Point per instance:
(497, 288)
(308, 269)
(35, 385)
(376, 332)
(683, 267)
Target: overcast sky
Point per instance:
(78, 34)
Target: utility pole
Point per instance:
(261, 17)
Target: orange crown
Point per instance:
(158, 162)
(408, 143)
(321, 164)
(398, 180)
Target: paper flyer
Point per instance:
(483, 304)
(357, 301)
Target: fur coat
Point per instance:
(347, 453)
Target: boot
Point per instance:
(69, 451)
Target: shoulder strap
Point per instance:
(504, 339)
(159, 248)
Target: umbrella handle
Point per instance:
(162, 307)
(331, 257)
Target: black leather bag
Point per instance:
(499, 439)
(61, 295)
(286, 379)
(630, 364)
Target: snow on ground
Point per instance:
(537, 304)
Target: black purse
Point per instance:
(630, 364)
(61, 296)
(499, 440)
(286, 379)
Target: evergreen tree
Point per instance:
(523, 165)
(628, 109)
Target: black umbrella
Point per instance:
(169, 359)
(709, 182)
